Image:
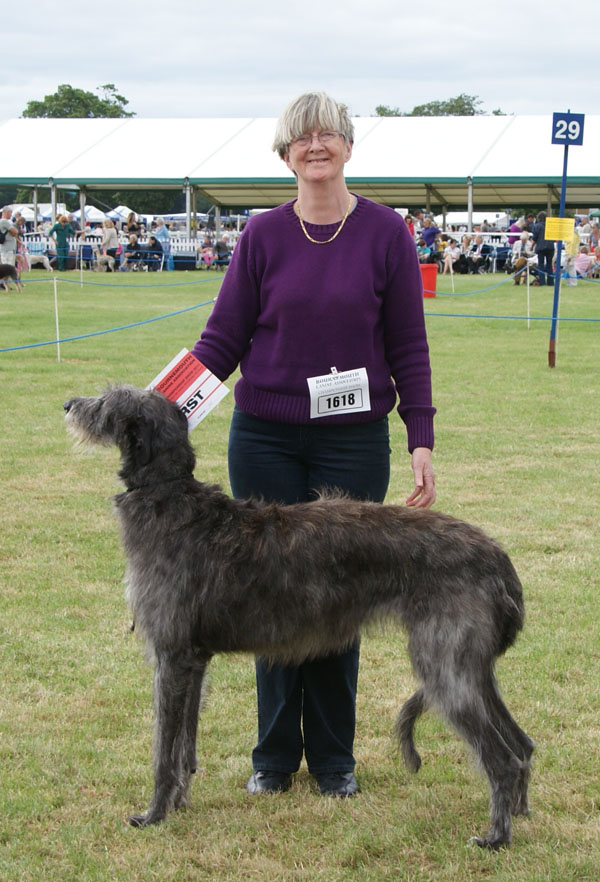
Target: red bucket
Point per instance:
(429, 276)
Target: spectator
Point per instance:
(162, 234)
(423, 251)
(418, 218)
(222, 252)
(132, 254)
(60, 232)
(131, 225)
(206, 254)
(515, 228)
(583, 262)
(110, 241)
(584, 228)
(520, 256)
(429, 232)
(544, 248)
(73, 223)
(451, 257)
(9, 235)
(154, 254)
(477, 256)
(20, 224)
(595, 270)
(410, 224)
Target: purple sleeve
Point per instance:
(234, 316)
(406, 345)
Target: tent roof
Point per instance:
(401, 161)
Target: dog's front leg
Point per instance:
(186, 743)
(175, 685)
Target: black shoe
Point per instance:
(338, 784)
(269, 782)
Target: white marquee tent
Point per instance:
(441, 163)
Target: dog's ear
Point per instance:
(141, 440)
(151, 433)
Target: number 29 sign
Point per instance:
(567, 129)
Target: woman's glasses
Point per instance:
(322, 138)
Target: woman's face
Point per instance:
(316, 162)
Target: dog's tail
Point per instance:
(511, 611)
(405, 729)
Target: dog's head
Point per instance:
(143, 424)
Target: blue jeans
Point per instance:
(310, 708)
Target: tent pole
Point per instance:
(188, 208)
(52, 200)
(35, 209)
(470, 204)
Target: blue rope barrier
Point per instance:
(525, 318)
(207, 302)
(108, 330)
(125, 287)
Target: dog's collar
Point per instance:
(154, 483)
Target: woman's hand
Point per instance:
(423, 496)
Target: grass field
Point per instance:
(517, 453)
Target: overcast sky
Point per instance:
(247, 58)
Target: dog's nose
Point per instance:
(67, 405)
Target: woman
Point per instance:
(154, 254)
(131, 225)
(520, 256)
(451, 257)
(583, 262)
(327, 283)
(544, 248)
(110, 241)
(61, 232)
(131, 254)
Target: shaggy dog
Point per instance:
(209, 574)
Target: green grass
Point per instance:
(517, 453)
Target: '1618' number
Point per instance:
(345, 400)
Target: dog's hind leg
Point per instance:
(177, 689)
(466, 711)
(405, 728)
(519, 742)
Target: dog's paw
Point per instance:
(144, 820)
(491, 845)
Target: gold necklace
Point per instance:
(337, 232)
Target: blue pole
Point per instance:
(557, 274)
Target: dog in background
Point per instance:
(39, 260)
(209, 574)
(9, 274)
(104, 262)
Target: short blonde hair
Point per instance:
(313, 111)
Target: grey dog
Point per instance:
(209, 574)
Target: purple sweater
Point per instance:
(289, 309)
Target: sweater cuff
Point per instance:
(419, 430)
